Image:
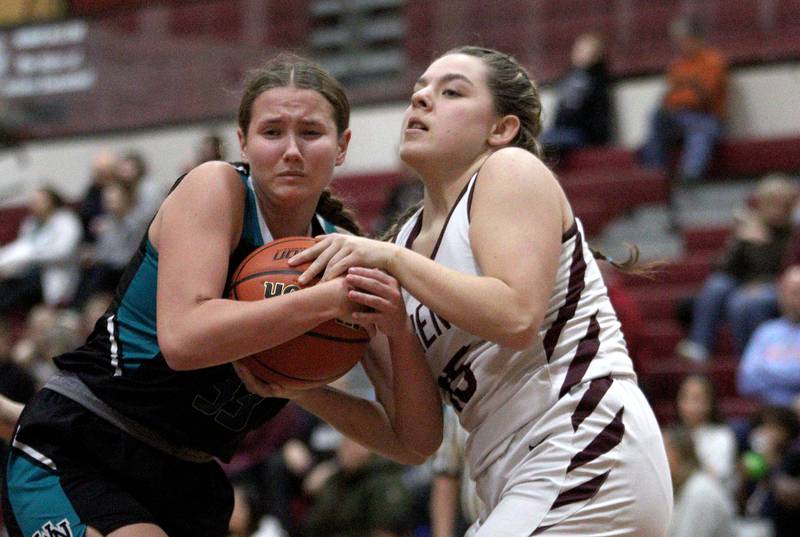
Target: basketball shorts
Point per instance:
(593, 465)
(69, 469)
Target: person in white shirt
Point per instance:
(714, 440)
(42, 263)
(703, 507)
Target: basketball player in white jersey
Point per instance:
(508, 302)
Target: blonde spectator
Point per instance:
(702, 505)
(741, 291)
(714, 441)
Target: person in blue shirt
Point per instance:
(770, 367)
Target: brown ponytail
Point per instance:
(631, 265)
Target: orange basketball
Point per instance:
(317, 357)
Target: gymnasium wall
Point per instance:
(764, 103)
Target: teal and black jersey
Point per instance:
(206, 409)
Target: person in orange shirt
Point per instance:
(693, 107)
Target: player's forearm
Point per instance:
(218, 331)
(482, 305)
(443, 506)
(364, 421)
(417, 408)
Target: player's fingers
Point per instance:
(377, 303)
(336, 269)
(335, 258)
(317, 266)
(371, 285)
(312, 251)
(252, 384)
(374, 273)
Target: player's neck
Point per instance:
(444, 186)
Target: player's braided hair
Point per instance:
(334, 211)
(291, 70)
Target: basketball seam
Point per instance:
(281, 373)
(257, 274)
(337, 338)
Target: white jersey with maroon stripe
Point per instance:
(561, 440)
(497, 390)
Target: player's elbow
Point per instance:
(174, 350)
(520, 332)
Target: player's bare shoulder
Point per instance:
(513, 173)
(207, 191)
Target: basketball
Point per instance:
(315, 358)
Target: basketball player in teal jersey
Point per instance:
(506, 298)
(121, 442)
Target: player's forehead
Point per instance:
(468, 69)
(290, 103)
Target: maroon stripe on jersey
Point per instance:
(591, 398)
(469, 199)
(414, 231)
(573, 229)
(577, 271)
(447, 221)
(604, 442)
(582, 492)
(586, 351)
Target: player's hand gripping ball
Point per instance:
(317, 357)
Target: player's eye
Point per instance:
(449, 92)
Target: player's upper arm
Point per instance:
(196, 228)
(516, 221)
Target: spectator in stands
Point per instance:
(770, 368)
(259, 468)
(104, 172)
(703, 508)
(583, 113)
(118, 230)
(771, 470)
(454, 503)
(742, 289)
(714, 441)
(148, 192)
(42, 262)
(16, 382)
(366, 493)
(210, 147)
(693, 107)
(93, 308)
(48, 332)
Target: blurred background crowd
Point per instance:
(673, 125)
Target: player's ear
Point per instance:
(504, 131)
(242, 143)
(343, 142)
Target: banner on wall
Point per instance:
(97, 75)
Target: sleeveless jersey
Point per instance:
(497, 390)
(207, 409)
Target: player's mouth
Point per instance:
(416, 125)
(292, 173)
